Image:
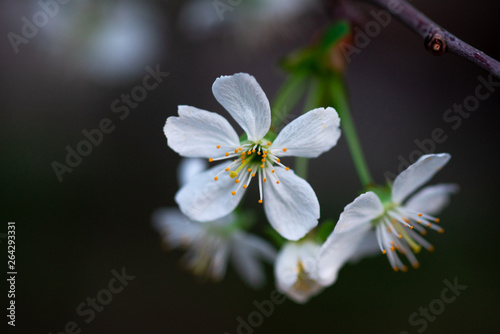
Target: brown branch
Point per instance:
(437, 40)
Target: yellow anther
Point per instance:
(236, 181)
(419, 222)
(284, 149)
(260, 201)
(268, 143)
(441, 231)
(249, 170)
(272, 171)
(249, 152)
(210, 160)
(227, 153)
(384, 251)
(415, 265)
(218, 146)
(394, 220)
(420, 215)
(404, 269)
(240, 149)
(233, 174)
(400, 236)
(396, 269)
(430, 248)
(264, 180)
(411, 227)
(278, 160)
(261, 166)
(253, 151)
(277, 182)
(263, 160)
(287, 168)
(406, 220)
(423, 232)
(392, 248)
(259, 153)
(264, 155)
(253, 174)
(389, 230)
(216, 178)
(233, 193)
(244, 186)
(227, 169)
(429, 225)
(236, 150)
(436, 220)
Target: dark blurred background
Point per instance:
(70, 235)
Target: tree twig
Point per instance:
(437, 40)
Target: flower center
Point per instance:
(251, 159)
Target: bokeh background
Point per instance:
(72, 234)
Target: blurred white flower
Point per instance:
(295, 270)
(290, 203)
(108, 41)
(210, 245)
(383, 220)
(252, 22)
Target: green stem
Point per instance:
(286, 98)
(338, 93)
(313, 100)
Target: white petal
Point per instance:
(337, 250)
(204, 199)
(431, 200)
(291, 206)
(309, 135)
(196, 133)
(352, 227)
(368, 246)
(286, 270)
(417, 174)
(247, 251)
(189, 168)
(244, 99)
(175, 228)
(361, 211)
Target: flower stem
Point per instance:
(338, 94)
(287, 97)
(314, 97)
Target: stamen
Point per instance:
(216, 178)
(210, 160)
(233, 193)
(268, 143)
(284, 149)
(218, 146)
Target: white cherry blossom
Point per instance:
(211, 245)
(290, 203)
(387, 221)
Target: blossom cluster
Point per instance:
(391, 220)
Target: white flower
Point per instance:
(210, 245)
(295, 270)
(382, 220)
(290, 203)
